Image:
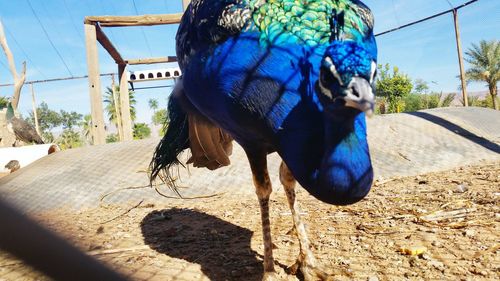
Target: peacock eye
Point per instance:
(326, 77)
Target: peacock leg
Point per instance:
(263, 188)
(306, 260)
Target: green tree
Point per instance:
(110, 104)
(70, 119)
(420, 86)
(111, 138)
(393, 86)
(153, 104)
(48, 119)
(86, 125)
(3, 102)
(160, 117)
(414, 102)
(141, 131)
(69, 139)
(485, 66)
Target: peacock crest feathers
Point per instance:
(310, 21)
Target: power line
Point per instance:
(58, 79)
(3, 64)
(426, 19)
(142, 30)
(449, 3)
(113, 37)
(114, 11)
(48, 37)
(153, 87)
(24, 52)
(72, 22)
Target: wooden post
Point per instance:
(116, 101)
(185, 4)
(460, 59)
(125, 103)
(97, 129)
(35, 114)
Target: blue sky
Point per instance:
(425, 51)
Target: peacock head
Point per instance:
(347, 76)
(349, 64)
(10, 111)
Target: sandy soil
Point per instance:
(453, 216)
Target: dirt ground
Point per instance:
(452, 216)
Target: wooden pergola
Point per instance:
(93, 34)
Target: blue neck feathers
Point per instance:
(345, 174)
(335, 168)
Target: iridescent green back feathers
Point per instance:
(310, 20)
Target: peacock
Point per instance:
(294, 77)
(20, 128)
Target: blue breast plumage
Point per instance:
(252, 69)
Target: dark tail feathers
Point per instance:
(176, 140)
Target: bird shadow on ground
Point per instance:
(222, 249)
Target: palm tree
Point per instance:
(485, 65)
(153, 104)
(69, 139)
(110, 104)
(86, 126)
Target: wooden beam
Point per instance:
(116, 101)
(97, 129)
(125, 104)
(35, 114)
(143, 20)
(106, 43)
(460, 59)
(151, 60)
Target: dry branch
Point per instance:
(124, 213)
(120, 250)
(443, 215)
(18, 79)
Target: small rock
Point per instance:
(413, 262)
(469, 233)
(437, 265)
(100, 230)
(461, 188)
(373, 278)
(425, 257)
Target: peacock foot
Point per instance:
(270, 276)
(277, 275)
(309, 269)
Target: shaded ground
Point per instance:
(454, 214)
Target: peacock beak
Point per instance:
(359, 95)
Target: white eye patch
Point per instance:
(373, 71)
(333, 70)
